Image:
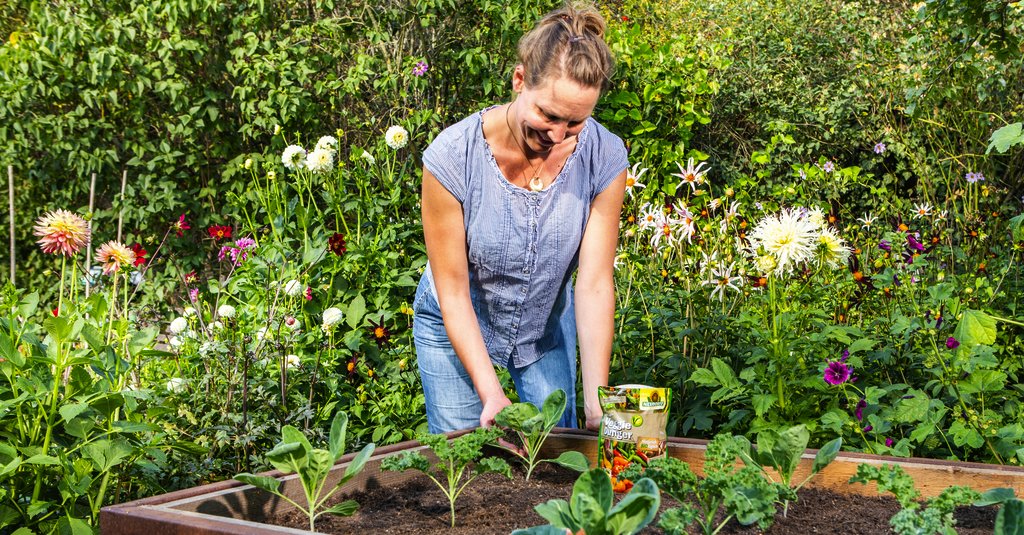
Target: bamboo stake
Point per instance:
(120, 211)
(88, 248)
(10, 190)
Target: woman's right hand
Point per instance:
(492, 406)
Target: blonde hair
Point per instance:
(568, 42)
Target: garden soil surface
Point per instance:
(495, 505)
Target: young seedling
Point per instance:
(452, 473)
(782, 452)
(295, 454)
(533, 426)
(937, 514)
(590, 509)
(745, 494)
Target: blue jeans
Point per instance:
(452, 402)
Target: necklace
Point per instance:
(535, 183)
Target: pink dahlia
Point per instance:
(114, 256)
(62, 232)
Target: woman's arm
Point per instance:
(445, 236)
(595, 294)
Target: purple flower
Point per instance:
(974, 177)
(895, 280)
(859, 411)
(238, 252)
(837, 373)
(952, 343)
(879, 148)
(846, 355)
(868, 428)
(193, 295)
(914, 244)
(829, 166)
(420, 69)
(885, 245)
(938, 321)
(889, 442)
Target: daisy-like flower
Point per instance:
(140, 254)
(291, 361)
(368, 158)
(729, 216)
(837, 372)
(420, 69)
(396, 137)
(61, 232)
(684, 222)
(832, 251)
(765, 263)
(867, 221)
(219, 232)
(331, 316)
(714, 204)
(828, 167)
(880, 148)
(922, 210)
(789, 238)
(942, 216)
(293, 157)
(180, 226)
(650, 216)
(327, 143)
(974, 177)
(722, 278)
(320, 161)
(663, 232)
(292, 288)
(691, 175)
(816, 215)
(633, 179)
(380, 333)
(113, 256)
(336, 243)
(226, 311)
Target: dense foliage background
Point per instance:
(876, 117)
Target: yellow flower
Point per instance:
(113, 256)
(62, 232)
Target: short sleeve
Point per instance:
(612, 158)
(445, 158)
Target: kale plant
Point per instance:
(1010, 519)
(744, 493)
(590, 508)
(782, 452)
(452, 474)
(936, 516)
(533, 426)
(295, 454)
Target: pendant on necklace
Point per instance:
(536, 184)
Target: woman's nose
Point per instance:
(557, 133)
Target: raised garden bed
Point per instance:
(233, 507)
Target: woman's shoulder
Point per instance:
(602, 137)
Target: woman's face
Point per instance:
(552, 112)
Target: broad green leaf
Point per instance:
(8, 351)
(541, 530)
(554, 407)
(287, 457)
(1010, 519)
(73, 526)
(93, 337)
(318, 465)
(336, 440)
(513, 416)
(70, 411)
(140, 339)
(975, 328)
(106, 454)
(597, 484)
(914, 408)
(559, 514)
(269, 484)
(572, 460)
(57, 327)
(42, 460)
(861, 344)
(984, 381)
(1004, 138)
(826, 454)
(345, 508)
(355, 312)
(783, 450)
(357, 463)
(994, 496)
(10, 467)
(636, 510)
(763, 403)
(589, 513)
(28, 305)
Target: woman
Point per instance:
(516, 198)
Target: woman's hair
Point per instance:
(568, 42)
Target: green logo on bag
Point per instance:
(638, 420)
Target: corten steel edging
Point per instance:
(931, 476)
(231, 507)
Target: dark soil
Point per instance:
(495, 505)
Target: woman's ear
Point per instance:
(519, 78)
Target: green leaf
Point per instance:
(269, 484)
(554, 407)
(782, 451)
(572, 460)
(513, 416)
(559, 513)
(975, 328)
(336, 440)
(1005, 137)
(70, 411)
(10, 352)
(28, 305)
(861, 344)
(345, 508)
(541, 530)
(41, 459)
(636, 510)
(357, 463)
(589, 513)
(1010, 519)
(994, 496)
(73, 526)
(287, 457)
(597, 484)
(106, 454)
(826, 454)
(762, 403)
(356, 311)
